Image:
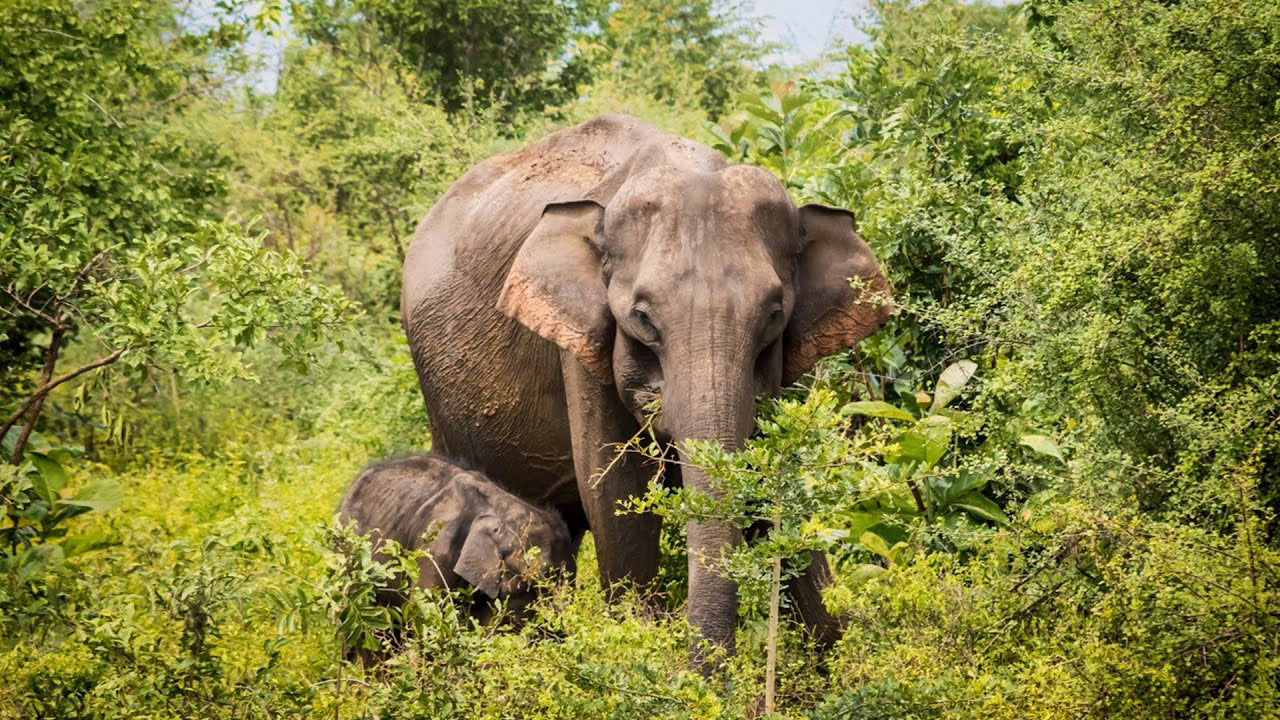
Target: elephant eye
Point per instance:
(775, 318)
(648, 332)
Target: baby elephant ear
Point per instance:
(831, 313)
(480, 562)
(556, 289)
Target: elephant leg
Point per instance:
(806, 598)
(626, 545)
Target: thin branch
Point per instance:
(64, 321)
(57, 32)
(32, 309)
(915, 493)
(84, 271)
(190, 90)
(34, 291)
(104, 110)
(55, 382)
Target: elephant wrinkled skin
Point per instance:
(476, 533)
(552, 293)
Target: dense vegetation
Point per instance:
(1049, 486)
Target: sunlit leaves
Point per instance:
(952, 381)
(877, 408)
(36, 504)
(1042, 445)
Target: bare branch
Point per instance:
(32, 309)
(57, 32)
(104, 110)
(44, 389)
(191, 90)
(50, 363)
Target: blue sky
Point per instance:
(808, 27)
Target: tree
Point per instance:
(694, 52)
(513, 54)
(340, 163)
(108, 235)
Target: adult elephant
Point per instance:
(552, 293)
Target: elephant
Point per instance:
(552, 293)
(482, 533)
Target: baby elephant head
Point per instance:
(509, 545)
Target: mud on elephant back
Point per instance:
(552, 293)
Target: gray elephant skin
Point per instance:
(476, 534)
(550, 294)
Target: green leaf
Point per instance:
(37, 442)
(103, 494)
(865, 572)
(55, 477)
(756, 107)
(874, 543)
(947, 488)
(927, 442)
(37, 559)
(876, 408)
(80, 544)
(978, 504)
(859, 523)
(1042, 445)
(951, 382)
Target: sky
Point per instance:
(808, 27)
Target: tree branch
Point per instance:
(46, 372)
(915, 493)
(84, 271)
(43, 390)
(110, 117)
(55, 322)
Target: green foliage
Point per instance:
(343, 164)
(819, 482)
(1047, 488)
(692, 53)
(1062, 202)
(1107, 616)
(106, 229)
(1042, 195)
(37, 505)
(512, 55)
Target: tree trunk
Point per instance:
(46, 374)
(771, 649)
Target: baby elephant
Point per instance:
(475, 532)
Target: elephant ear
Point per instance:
(480, 561)
(831, 312)
(555, 287)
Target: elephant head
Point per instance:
(507, 545)
(703, 288)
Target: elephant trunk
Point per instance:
(713, 599)
(713, 401)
